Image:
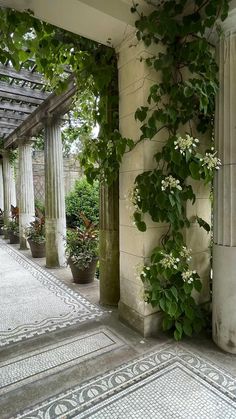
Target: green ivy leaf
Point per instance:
(174, 292)
(189, 312)
(203, 223)
(141, 113)
(197, 285)
(179, 327)
(167, 323)
(178, 335)
(162, 304)
(172, 308)
(187, 328)
(142, 226)
(194, 170)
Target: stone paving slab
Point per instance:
(33, 301)
(170, 383)
(51, 359)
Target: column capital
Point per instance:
(50, 119)
(229, 24)
(25, 141)
(5, 153)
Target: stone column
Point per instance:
(54, 196)
(26, 190)
(224, 252)
(135, 79)
(9, 188)
(109, 244)
(1, 187)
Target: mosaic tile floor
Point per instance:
(33, 302)
(170, 383)
(54, 358)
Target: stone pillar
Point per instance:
(26, 190)
(1, 187)
(135, 79)
(224, 252)
(54, 196)
(109, 244)
(9, 188)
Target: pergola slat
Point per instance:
(53, 106)
(5, 131)
(8, 124)
(21, 75)
(16, 107)
(20, 98)
(22, 91)
(10, 115)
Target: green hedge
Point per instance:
(83, 198)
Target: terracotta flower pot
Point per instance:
(38, 250)
(13, 237)
(83, 276)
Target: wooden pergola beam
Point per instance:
(53, 106)
(25, 75)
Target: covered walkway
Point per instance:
(62, 356)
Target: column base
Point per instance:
(150, 325)
(23, 244)
(24, 222)
(109, 267)
(55, 243)
(224, 298)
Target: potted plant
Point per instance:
(35, 234)
(82, 251)
(1, 222)
(13, 232)
(12, 227)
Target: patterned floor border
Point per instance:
(91, 311)
(87, 399)
(51, 359)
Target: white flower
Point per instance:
(186, 253)
(185, 144)
(187, 276)
(211, 161)
(134, 197)
(169, 261)
(170, 182)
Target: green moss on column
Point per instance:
(109, 244)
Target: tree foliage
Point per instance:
(84, 198)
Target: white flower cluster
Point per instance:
(186, 144)
(169, 261)
(141, 270)
(186, 253)
(211, 161)
(188, 276)
(134, 197)
(170, 182)
(144, 271)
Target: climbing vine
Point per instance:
(54, 51)
(181, 105)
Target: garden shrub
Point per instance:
(83, 198)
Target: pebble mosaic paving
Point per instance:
(33, 301)
(170, 383)
(54, 358)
